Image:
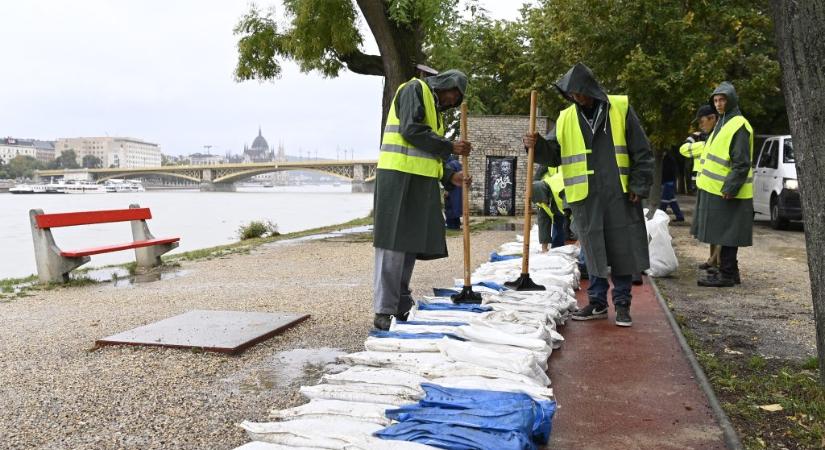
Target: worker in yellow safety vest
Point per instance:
(724, 206)
(547, 194)
(695, 143)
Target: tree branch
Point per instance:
(363, 64)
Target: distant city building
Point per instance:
(121, 152)
(201, 159)
(259, 151)
(11, 148)
(45, 150)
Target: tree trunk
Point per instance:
(399, 50)
(656, 189)
(798, 25)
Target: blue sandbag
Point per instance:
(444, 292)
(453, 437)
(456, 398)
(434, 322)
(492, 285)
(403, 335)
(454, 307)
(519, 419)
(495, 257)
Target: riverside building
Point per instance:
(119, 152)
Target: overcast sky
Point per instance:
(161, 70)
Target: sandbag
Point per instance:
(663, 261)
(332, 409)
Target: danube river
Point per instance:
(200, 219)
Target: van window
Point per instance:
(759, 151)
(787, 152)
(769, 156)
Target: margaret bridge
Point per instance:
(221, 177)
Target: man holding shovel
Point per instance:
(607, 167)
(408, 221)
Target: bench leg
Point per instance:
(148, 257)
(52, 267)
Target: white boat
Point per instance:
(28, 189)
(84, 187)
(119, 185)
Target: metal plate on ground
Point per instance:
(217, 331)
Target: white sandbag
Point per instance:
(393, 360)
(495, 384)
(320, 433)
(493, 336)
(375, 375)
(402, 327)
(331, 409)
(358, 393)
(341, 434)
(377, 344)
(440, 316)
(501, 358)
(663, 259)
(258, 445)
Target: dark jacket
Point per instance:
(727, 222)
(407, 207)
(611, 228)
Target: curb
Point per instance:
(731, 437)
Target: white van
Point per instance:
(775, 187)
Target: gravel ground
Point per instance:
(58, 391)
(769, 314)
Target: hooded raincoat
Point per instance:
(611, 229)
(727, 222)
(407, 207)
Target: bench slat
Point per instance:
(90, 217)
(117, 247)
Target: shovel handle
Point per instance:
(465, 198)
(525, 260)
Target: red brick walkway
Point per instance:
(628, 388)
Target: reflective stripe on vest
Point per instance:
(716, 163)
(398, 154)
(574, 151)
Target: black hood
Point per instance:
(731, 108)
(447, 80)
(580, 79)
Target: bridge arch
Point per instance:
(102, 178)
(242, 175)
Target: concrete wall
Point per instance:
(498, 136)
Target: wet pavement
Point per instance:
(628, 388)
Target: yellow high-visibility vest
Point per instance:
(716, 160)
(555, 180)
(574, 151)
(398, 154)
(694, 151)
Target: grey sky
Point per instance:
(161, 70)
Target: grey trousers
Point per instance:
(391, 283)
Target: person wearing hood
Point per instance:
(607, 167)
(408, 222)
(547, 194)
(724, 207)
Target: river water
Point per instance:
(200, 219)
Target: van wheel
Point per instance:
(777, 221)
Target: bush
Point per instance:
(257, 229)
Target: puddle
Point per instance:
(303, 366)
(120, 277)
(316, 237)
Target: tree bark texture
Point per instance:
(400, 49)
(799, 27)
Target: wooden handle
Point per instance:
(465, 198)
(525, 260)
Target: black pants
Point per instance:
(728, 265)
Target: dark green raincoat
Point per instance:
(727, 222)
(611, 229)
(407, 209)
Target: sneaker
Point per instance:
(623, 316)
(716, 280)
(590, 312)
(382, 321)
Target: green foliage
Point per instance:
(257, 229)
(21, 166)
(91, 162)
(66, 160)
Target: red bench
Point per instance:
(54, 264)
